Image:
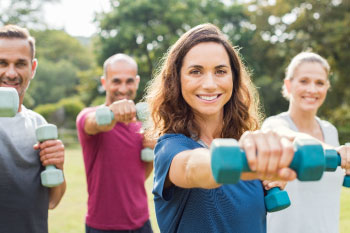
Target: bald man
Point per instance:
(117, 199)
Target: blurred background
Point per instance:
(73, 39)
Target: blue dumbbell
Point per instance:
(52, 176)
(9, 102)
(333, 160)
(228, 161)
(104, 116)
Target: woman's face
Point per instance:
(206, 79)
(308, 86)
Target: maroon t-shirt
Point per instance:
(115, 176)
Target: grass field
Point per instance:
(69, 216)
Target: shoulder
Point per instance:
(27, 113)
(326, 125)
(276, 120)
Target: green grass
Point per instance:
(69, 216)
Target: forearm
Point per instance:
(149, 168)
(192, 169)
(56, 194)
(91, 127)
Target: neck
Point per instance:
(306, 122)
(210, 128)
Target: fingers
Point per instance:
(247, 143)
(344, 152)
(124, 110)
(268, 184)
(269, 153)
(52, 153)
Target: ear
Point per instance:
(103, 82)
(137, 81)
(287, 84)
(34, 66)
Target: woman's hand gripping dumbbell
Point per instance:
(228, 161)
(51, 155)
(105, 116)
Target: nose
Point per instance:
(209, 81)
(123, 88)
(11, 71)
(312, 88)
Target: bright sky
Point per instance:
(74, 16)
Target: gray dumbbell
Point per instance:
(52, 176)
(104, 116)
(9, 102)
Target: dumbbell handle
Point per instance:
(333, 160)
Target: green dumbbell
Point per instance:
(52, 176)
(333, 160)
(142, 114)
(9, 102)
(104, 116)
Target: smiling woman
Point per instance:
(315, 205)
(203, 93)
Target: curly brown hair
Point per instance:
(170, 112)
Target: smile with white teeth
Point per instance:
(209, 98)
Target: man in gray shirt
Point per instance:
(24, 202)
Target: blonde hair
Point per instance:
(301, 58)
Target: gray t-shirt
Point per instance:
(315, 205)
(23, 200)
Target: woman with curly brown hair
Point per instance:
(203, 92)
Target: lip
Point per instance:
(208, 98)
(9, 84)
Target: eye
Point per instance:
(320, 83)
(221, 72)
(303, 81)
(21, 64)
(195, 72)
(3, 63)
(130, 81)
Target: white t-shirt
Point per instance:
(315, 205)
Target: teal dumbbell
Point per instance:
(9, 102)
(52, 176)
(104, 116)
(228, 161)
(333, 160)
(276, 199)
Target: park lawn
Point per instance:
(69, 216)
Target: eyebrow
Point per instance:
(199, 66)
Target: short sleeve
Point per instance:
(166, 148)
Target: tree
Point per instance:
(145, 29)
(22, 12)
(291, 26)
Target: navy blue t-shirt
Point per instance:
(230, 208)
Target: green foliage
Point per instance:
(62, 61)
(291, 26)
(145, 29)
(63, 113)
(22, 12)
(53, 81)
